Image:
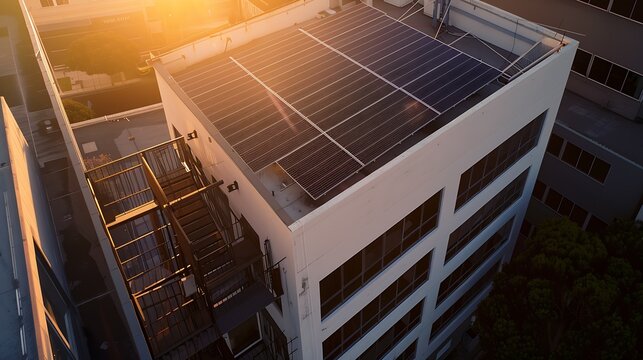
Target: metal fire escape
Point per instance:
(183, 254)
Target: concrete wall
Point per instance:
(601, 33)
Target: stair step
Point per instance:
(206, 241)
(214, 259)
(195, 223)
(193, 219)
(199, 233)
(185, 209)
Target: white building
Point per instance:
(389, 240)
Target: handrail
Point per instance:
(134, 154)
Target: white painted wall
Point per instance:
(330, 235)
(246, 201)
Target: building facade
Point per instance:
(593, 169)
(39, 320)
(390, 260)
(61, 270)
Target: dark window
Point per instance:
(360, 324)
(622, 7)
(466, 232)
(571, 154)
(409, 352)
(342, 283)
(497, 161)
(553, 199)
(393, 335)
(463, 301)
(555, 144)
(603, 4)
(616, 78)
(633, 84)
(46, 3)
(473, 262)
(600, 69)
(637, 13)
(581, 62)
(599, 170)
(565, 207)
(539, 190)
(585, 162)
(578, 215)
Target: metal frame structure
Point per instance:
(183, 254)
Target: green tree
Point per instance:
(569, 295)
(102, 53)
(77, 111)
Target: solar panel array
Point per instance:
(325, 100)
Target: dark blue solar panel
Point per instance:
(343, 79)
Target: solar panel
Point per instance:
(328, 99)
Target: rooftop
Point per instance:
(314, 108)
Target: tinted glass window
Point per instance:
(616, 78)
(633, 84)
(599, 170)
(555, 144)
(603, 4)
(571, 154)
(581, 61)
(600, 69)
(585, 162)
(637, 14)
(622, 7)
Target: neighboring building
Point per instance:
(39, 320)
(593, 169)
(385, 174)
(54, 226)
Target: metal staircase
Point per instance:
(181, 250)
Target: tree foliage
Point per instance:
(569, 295)
(77, 111)
(102, 53)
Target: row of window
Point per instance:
(631, 9)
(461, 236)
(578, 158)
(464, 300)
(356, 272)
(482, 173)
(565, 207)
(462, 272)
(623, 80)
(349, 333)
(409, 352)
(393, 335)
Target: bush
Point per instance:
(77, 111)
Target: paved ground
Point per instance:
(123, 137)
